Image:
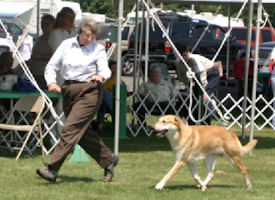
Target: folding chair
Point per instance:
(12, 133)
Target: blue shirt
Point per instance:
(77, 62)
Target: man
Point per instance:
(206, 71)
(160, 91)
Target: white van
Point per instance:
(20, 12)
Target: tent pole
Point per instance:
(118, 80)
(228, 45)
(255, 72)
(38, 18)
(247, 62)
(147, 44)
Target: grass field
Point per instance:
(143, 163)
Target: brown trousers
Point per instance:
(81, 102)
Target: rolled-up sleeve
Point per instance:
(102, 64)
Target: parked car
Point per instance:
(105, 35)
(14, 31)
(183, 30)
(264, 53)
(266, 34)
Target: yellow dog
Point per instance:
(193, 143)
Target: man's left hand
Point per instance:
(96, 78)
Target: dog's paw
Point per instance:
(249, 187)
(159, 186)
(203, 187)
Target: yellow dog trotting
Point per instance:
(193, 143)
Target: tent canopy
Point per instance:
(266, 3)
(11, 11)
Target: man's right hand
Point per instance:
(54, 88)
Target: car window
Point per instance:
(240, 34)
(266, 35)
(125, 33)
(218, 33)
(154, 31)
(14, 29)
(104, 32)
(199, 29)
(180, 30)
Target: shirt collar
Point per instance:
(90, 47)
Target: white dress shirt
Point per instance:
(77, 62)
(199, 65)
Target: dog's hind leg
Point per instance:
(238, 163)
(171, 173)
(194, 170)
(210, 164)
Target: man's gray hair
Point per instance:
(153, 66)
(88, 23)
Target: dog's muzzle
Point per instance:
(161, 134)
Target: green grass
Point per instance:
(143, 163)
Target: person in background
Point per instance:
(107, 98)
(206, 71)
(161, 91)
(83, 64)
(63, 28)
(6, 62)
(41, 52)
(26, 45)
(272, 70)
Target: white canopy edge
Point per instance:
(12, 11)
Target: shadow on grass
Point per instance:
(181, 187)
(71, 179)
(66, 179)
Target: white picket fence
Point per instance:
(229, 106)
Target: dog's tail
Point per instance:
(248, 148)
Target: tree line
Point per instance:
(106, 7)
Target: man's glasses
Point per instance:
(69, 18)
(89, 36)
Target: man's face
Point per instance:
(185, 56)
(155, 75)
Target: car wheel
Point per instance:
(127, 67)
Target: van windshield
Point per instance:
(154, 31)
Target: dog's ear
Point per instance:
(179, 122)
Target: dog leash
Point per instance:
(224, 118)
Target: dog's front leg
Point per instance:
(170, 174)
(194, 170)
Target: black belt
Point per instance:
(210, 70)
(72, 81)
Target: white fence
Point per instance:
(229, 106)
